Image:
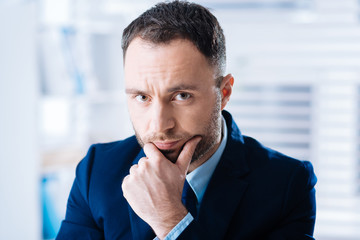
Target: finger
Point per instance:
(133, 169)
(186, 154)
(125, 179)
(124, 183)
(151, 151)
(142, 161)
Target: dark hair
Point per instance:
(167, 21)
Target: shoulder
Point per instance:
(255, 157)
(108, 151)
(99, 176)
(278, 165)
(110, 158)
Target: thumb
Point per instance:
(186, 154)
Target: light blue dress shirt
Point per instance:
(198, 181)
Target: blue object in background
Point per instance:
(51, 219)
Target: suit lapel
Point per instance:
(140, 230)
(226, 187)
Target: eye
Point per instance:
(182, 96)
(142, 98)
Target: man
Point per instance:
(185, 144)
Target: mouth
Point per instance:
(171, 148)
(167, 145)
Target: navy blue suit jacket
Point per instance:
(254, 193)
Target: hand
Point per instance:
(154, 187)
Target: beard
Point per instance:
(210, 133)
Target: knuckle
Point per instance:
(143, 162)
(125, 182)
(132, 169)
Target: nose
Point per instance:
(162, 119)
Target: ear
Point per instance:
(226, 89)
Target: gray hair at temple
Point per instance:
(167, 21)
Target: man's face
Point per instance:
(172, 97)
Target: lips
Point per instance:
(166, 145)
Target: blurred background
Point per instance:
(296, 65)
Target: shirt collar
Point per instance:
(199, 178)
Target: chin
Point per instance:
(171, 155)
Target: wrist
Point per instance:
(163, 227)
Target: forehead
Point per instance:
(143, 47)
(178, 59)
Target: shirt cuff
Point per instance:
(179, 228)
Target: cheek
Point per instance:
(196, 118)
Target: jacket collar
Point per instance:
(234, 154)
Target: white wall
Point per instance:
(19, 158)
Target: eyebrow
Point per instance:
(181, 87)
(134, 91)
